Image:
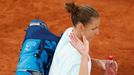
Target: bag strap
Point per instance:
(38, 55)
(41, 47)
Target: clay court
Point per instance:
(116, 29)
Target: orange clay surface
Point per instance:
(116, 30)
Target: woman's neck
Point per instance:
(77, 33)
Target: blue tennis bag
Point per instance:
(37, 50)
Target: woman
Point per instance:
(71, 56)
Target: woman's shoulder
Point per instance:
(67, 31)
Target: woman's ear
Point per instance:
(80, 27)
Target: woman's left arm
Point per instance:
(98, 63)
(102, 64)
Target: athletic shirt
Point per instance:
(67, 59)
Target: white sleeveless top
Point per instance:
(66, 59)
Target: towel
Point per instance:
(67, 59)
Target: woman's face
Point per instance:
(92, 29)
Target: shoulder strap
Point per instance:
(41, 47)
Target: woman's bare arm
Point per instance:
(98, 63)
(103, 64)
(83, 49)
(84, 66)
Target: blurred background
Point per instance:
(116, 29)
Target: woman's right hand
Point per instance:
(81, 45)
